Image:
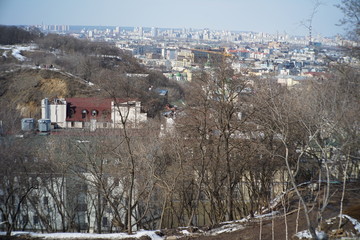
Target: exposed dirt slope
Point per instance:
(24, 88)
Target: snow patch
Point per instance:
(5, 54)
(243, 220)
(272, 214)
(16, 50)
(17, 54)
(5, 47)
(355, 222)
(321, 235)
(138, 234)
(225, 229)
(306, 235)
(185, 232)
(277, 199)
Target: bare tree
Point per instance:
(18, 179)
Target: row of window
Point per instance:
(85, 112)
(94, 113)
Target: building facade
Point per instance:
(92, 113)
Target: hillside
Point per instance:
(270, 224)
(61, 66)
(23, 89)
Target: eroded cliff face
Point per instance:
(23, 89)
(55, 86)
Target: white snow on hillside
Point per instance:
(16, 50)
(306, 235)
(225, 229)
(272, 214)
(5, 54)
(16, 54)
(138, 234)
(355, 222)
(321, 235)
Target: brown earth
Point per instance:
(277, 227)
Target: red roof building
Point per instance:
(85, 112)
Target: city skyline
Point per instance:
(277, 16)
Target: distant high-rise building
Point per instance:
(154, 32)
(206, 34)
(64, 28)
(141, 32)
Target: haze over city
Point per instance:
(235, 15)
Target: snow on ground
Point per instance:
(355, 222)
(5, 47)
(277, 199)
(185, 232)
(272, 214)
(16, 50)
(16, 54)
(225, 229)
(5, 54)
(243, 220)
(138, 234)
(321, 235)
(306, 235)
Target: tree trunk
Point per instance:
(98, 212)
(343, 191)
(292, 180)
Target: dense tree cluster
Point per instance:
(14, 35)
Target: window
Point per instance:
(25, 219)
(46, 201)
(105, 221)
(94, 113)
(84, 113)
(71, 112)
(36, 219)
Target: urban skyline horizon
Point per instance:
(148, 28)
(276, 16)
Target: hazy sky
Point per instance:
(268, 16)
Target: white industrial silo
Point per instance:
(45, 109)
